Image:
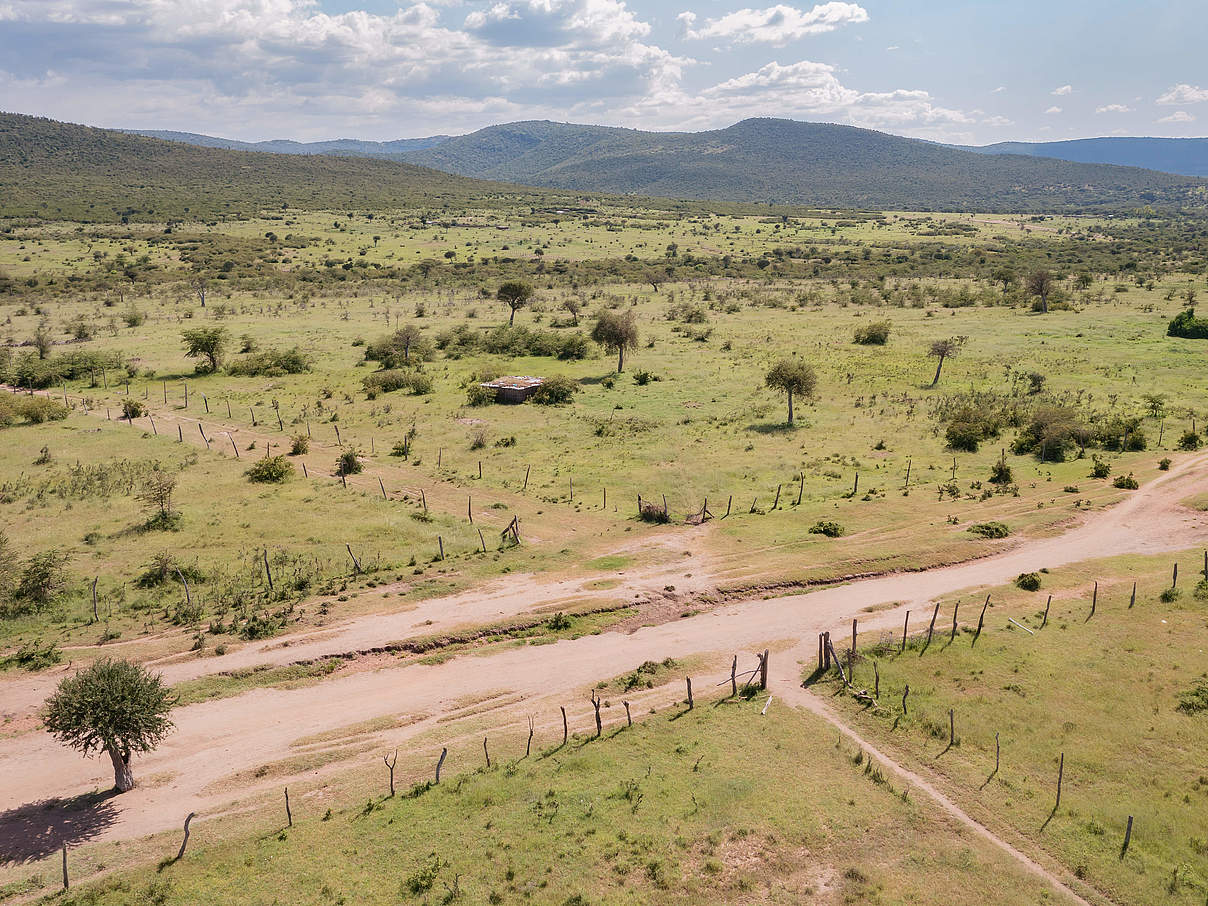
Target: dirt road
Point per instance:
(217, 740)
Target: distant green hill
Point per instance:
(1188, 156)
(346, 146)
(789, 162)
(58, 170)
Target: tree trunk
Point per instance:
(512, 319)
(937, 371)
(123, 777)
(790, 408)
(620, 359)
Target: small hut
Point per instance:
(513, 389)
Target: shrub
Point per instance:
(409, 379)
(1164, 464)
(349, 463)
(271, 470)
(990, 529)
(478, 395)
(874, 334)
(33, 656)
(1195, 699)
(132, 409)
(652, 512)
(1170, 595)
(34, 410)
(1000, 473)
(1100, 469)
(642, 378)
(1190, 440)
(1186, 325)
(1126, 482)
(1028, 581)
(299, 445)
(1201, 590)
(41, 581)
(271, 363)
(1052, 433)
(555, 391)
(827, 528)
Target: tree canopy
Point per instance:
(515, 294)
(113, 706)
(617, 333)
(794, 377)
(206, 343)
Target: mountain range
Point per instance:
(56, 168)
(1187, 156)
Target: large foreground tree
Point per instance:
(114, 707)
(794, 377)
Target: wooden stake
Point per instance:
(981, 621)
(289, 815)
(470, 509)
(728, 504)
(1060, 777)
(763, 670)
(180, 434)
(268, 573)
(441, 542)
(905, 629)
(95, 617)
(565, 728)
(1174, 580)
(338, 439)
(383, 487)
(734, 675)
(1045, 621)
(931, 629)
(688, 680)
(628, 717)
(776, 502)
(801, 489)
(185, 842)
(66, 882)
(528, 746)
(234, 446)
(305, 474)
(1094, 599)
(356, 564)
(482, 541)
(904, 694)
(527, 469)
(907, 485)
(595, 702)
(856, 487)
(1133, 597)
(486, 752)
(440, 761)
(997, 753)
(951, 726)
(1127, 837)
(955, 609)
(390, 764)
(876, 681)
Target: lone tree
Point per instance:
(945, 349)
(1040, 283)
(115, 707)
(515, 294)
(403, 339)
(574, 306)
(792, 376)
(616, 332)
(206, 343)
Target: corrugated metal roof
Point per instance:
(514, 383)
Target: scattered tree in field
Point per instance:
(794, 377)
(114, 707)
(1155, 403)
(206, 343)
(515, 294)
(1040, 283)
(41, 581)
(1005, 277)
(1188, 326)
(573, 306)
(156, 496)
(617, 333)
(403, 339)
(42, 340)
(944, 350)
(200, 286)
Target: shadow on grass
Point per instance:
(38, 829)
(774, 428)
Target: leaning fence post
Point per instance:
(1094, 599)
(1060, 777)
(904, 694)
(486, 752)
(440, 761)
(289, 815)
(981, 620)
(565, 728)
(1045, 621)
(185, 842)
(1127, 837)
(733, 679)
(688, 680)
(1133, 598)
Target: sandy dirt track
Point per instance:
(218, 739)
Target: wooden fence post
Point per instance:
(565, 728)
(931, 629)
(185, 842)
(763, 670)
(390, 764)
(905, 629)
(734, 677)
(951, 727)
(1060, 777)
(628, 718)
(1094, 599)
(528, 746)
(268, 573)
(1045, 621)
(289, 815)
(1174, 580)
(688, 680)
(486, 752)
(981, 620)
(595, 703)
(904, 695)
(66, 881)
(440, 761)
(1127, 837)
(955, 609)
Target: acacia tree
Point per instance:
(515, 294)
(574, 306)
(114, 707)
(794, 377)
(943, 350)
(403, 339)
(206, 343)
(616, 332)
(1040, 283)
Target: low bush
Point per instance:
(349, 463)
(1186, 325)
(271, 363)
(478, 395)
(1126, 482)
(299, 445)
(555, 391)
(874, 334)
(270, 470)
(990, 530)
(1190, 440)
(1028, 581)
(34, 410)
(1000, 473)
(409, 379)
(1164, 464)
(827, 528)
(1100, 469)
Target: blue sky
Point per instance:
(975, 71)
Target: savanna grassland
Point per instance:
(252, 450)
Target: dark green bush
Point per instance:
(1190, 440)
(410, 379)
(990, 529)
(555, 391)
(827, 528)
(1100, 468)
(1126, 482)
(478, 395)
(1188, 326)
(271, 363)
(349, 463)
(1028, 581)
(874, 334)
(299, 445)
(1000, 473)
(271, 470)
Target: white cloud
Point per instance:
(999, 90)
(1053, 110)
(1179, 116)
(1063, 90)
(776, 25)
(1114, 108)
(1184, 94)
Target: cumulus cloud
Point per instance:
(1114, 108)
(1179, 116)
(1052, 111)
(1184, 94)
(776, 25)
(1063, 90)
